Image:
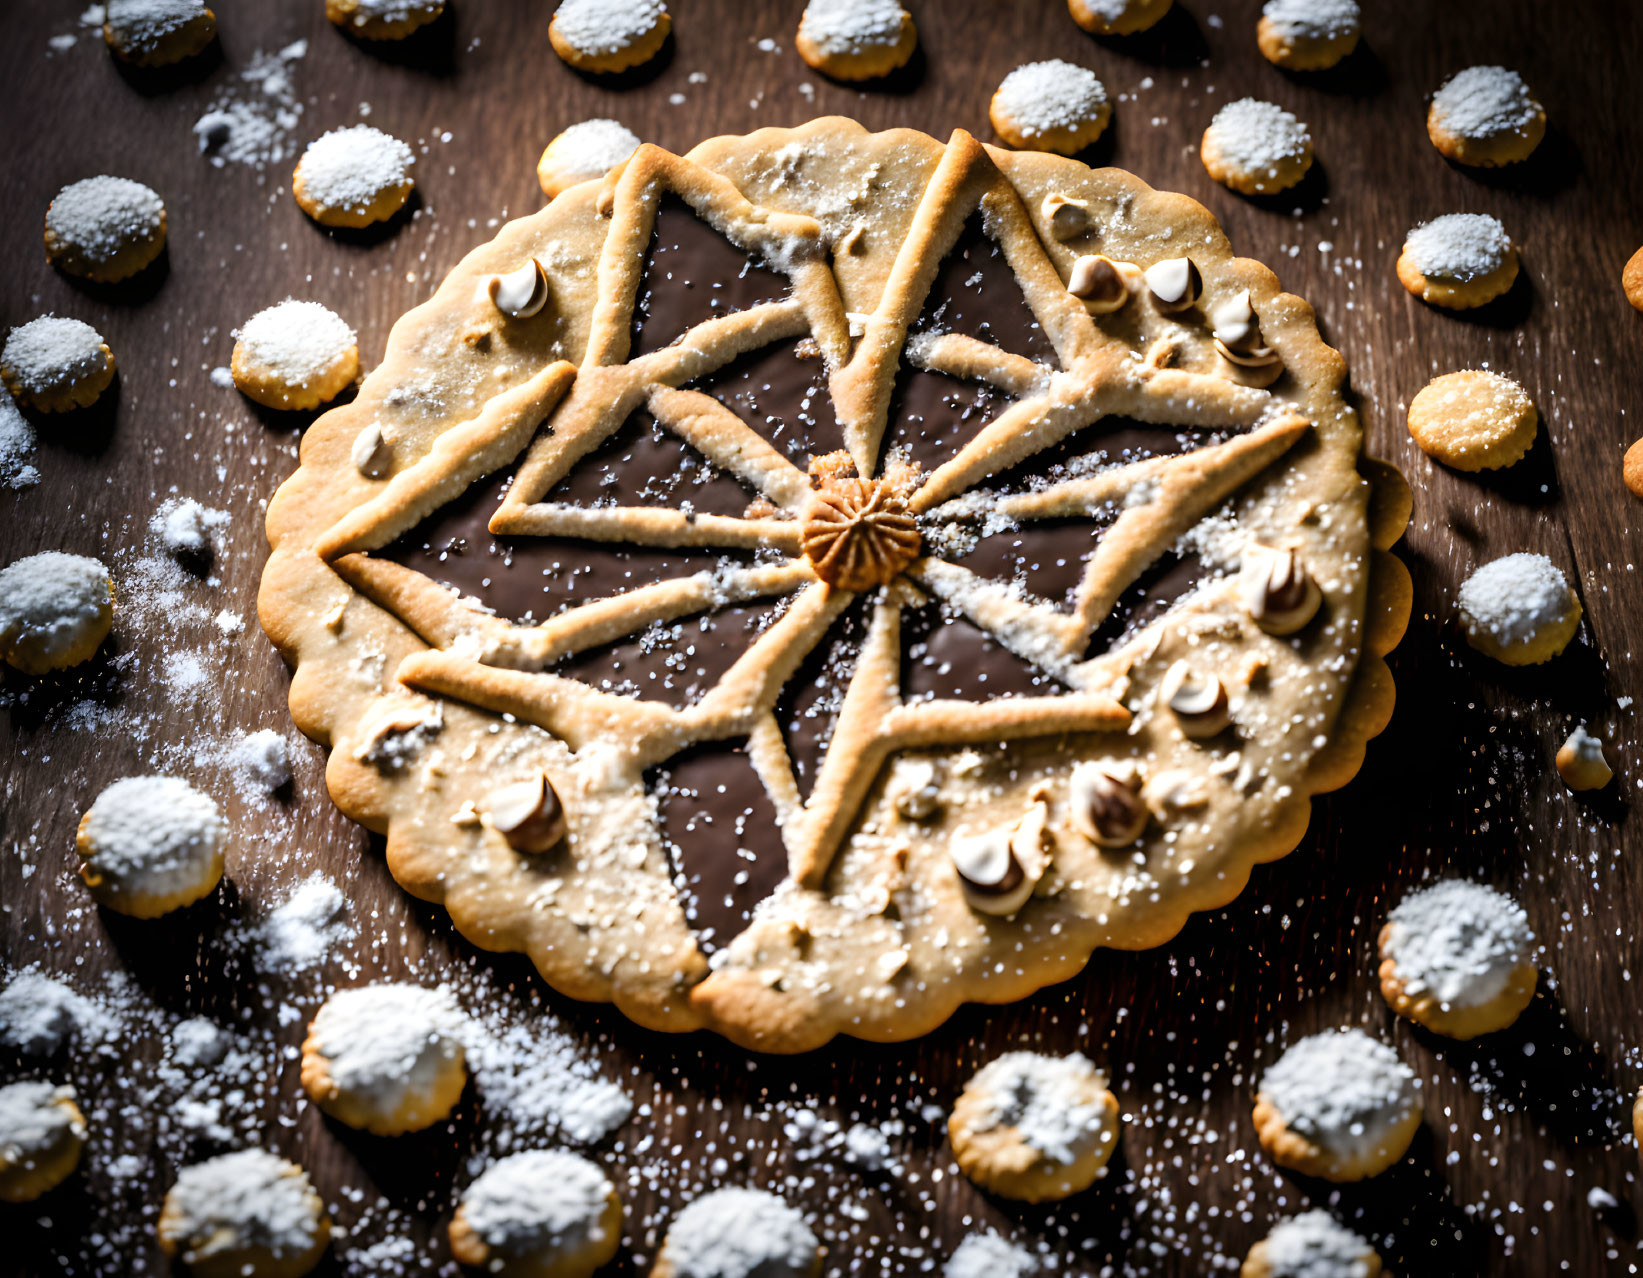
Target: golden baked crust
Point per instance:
(159, 47)
(577, 1259)
(1136, 15)
(1473, 420)
(1258, 1265)
(1631, 279)
(80, 391)
(1457, 1022)
(1458, 295)
(873, 934)
(1631, 468)
(623, 58)
(360, 20)
(866, 61)
(1288, 1148)
(998, 1159)
(1302, 52)
(29, 1173)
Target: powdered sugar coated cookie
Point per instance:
(1455, 957)
(738, 1233)
(55, 611)
(383, 19)
(387, 1058)
(1308, 35)
(583, 152)
(1311, 1245)
(1339, 1105)
(295, 355)
(105, 228)
(1051, 106)
(53, 364)
(1034, 1127)
(354, 177)
(1485, 116)
(856, 39)
(41, 1132)
(540, 1214)
(1117, 17)
(152, 33)
(609, 35)
(249, 1214)
(150, 845)
(1256, 147)
(1519, 609)
(1459, 260)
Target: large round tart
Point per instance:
(801, 586)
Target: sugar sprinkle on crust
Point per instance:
(738, 1233)
(1458, 941)
(151, 844)
(550, 1208)
(354, 176)
(609, 35)
(294, 355)
(856, 39)
(1312, 1245)
(54, 364)
(584, 151)
(1474, 420)
(55, 610)
(155, 33)
(1485, 116)
(105, 228)
(1256, 147)
(41, 1132)
(1117, 17)
(244, 1208)
(383, 19)
(1051, 105)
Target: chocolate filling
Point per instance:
(809, 704)
(976, 293)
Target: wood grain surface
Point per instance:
(1520, 1127)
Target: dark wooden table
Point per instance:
(1520, 1127)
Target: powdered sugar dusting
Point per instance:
(253, 122)
(1459, 941)
(840, 27)
(1484, 102)
(1458, 246)
(1340, 1089)
(990, 1256)
(1258, 136)
(52, 352)
(1514, 598)
(1044, 97)
(1046, 1099)
(101, 216)
(1313, 19)
(531, 1201)
(297, 341)
(740, 1233)
(1313, 1245)
(308, 927)
(17, 470)
(594, 147)
(351, 168)
(244, 1199)
(597, 27)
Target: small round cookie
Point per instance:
(1338, 1105)
(738, 1233)
(296, 355)
(1631, 279)
(584, 152)
(1035, 1128)
(53, 364)
(856, 39)
(1117, 17)
(55, 611)
(1485, 117)
(354, 177)
(386, 1058)
(249, 1214)
(150, 845)
(1456, 958)
(156, 33)
(1519, 610)
(607, 36)
(1631, 468)
(1308, 35)
(1256, 148)
(1458, 261)
(382, 19)
(41, 1132)
(1311, 1245)
(1473, 420)
(1050, 106)
(1637, 1118)
(541, 1214)
(105, 228)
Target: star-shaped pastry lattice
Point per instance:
(487, 661)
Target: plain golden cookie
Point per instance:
(1308, 35)
(1117, 17)
(1631, 279)
(296, 356)
(1035, 1128)
(1050, 106)
(1632, 468)
(155, 33)
(1339, 1105)
(41, 1133)
(856, 39)
(1473, 420)
(386, 1058)
(54, 365)
(738, 1233)
(383, 19)
(606, 36)
(539, 1214)
(1519, 609)
(1457, 958)
(354, 177)
(149, 845)
(105, 228)
(249, 1214)
(583, 152)
(1458, 261)
(1311, 1245)
(1256, 148)
(1485, 117)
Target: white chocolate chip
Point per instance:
(522, 293)
(371, 454)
